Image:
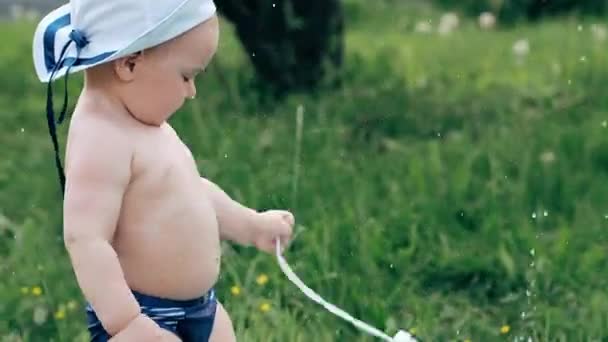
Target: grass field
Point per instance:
(447, 187)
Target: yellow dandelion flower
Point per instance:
(505, 329)
(25, 290)
(262, 279)
(60, 314)
(72, 305)
(36, 291)
(235, 290)
(265, 307)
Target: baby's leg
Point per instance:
(222, 326)
(168, 336)
(143, 328)
(161, 335)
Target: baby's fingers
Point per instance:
(289, 218)
(283, 243)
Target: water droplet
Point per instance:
(532, 264)
(391, 266)
(528, 293)
(458, 332)
(545, 213)
(533, 215)
(274, 5)
(606, 216)
(604, 123)
(523, 315)
(22, 129)
(225, 155)
(580, 28)
(583, 58)
(439, 134)
(532, 252)
(569, 82)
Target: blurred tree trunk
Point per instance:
(293, 44)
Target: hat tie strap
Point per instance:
(80, 41)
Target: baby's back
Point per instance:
(166, 235)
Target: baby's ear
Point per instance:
(124, 67)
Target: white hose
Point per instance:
(401, 336)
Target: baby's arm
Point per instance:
(98, 171)
(246, 226)
(237, 222)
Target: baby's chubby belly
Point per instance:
(169, 246)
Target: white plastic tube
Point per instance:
(401, 336)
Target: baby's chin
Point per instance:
(151, 108)
(156, 121)
(151, 118)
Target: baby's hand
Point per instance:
(271, 225)
(144, 328)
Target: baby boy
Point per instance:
(141, 226)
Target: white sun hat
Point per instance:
(86, 33)
(91, 32)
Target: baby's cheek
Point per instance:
(167, 99)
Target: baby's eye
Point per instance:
(186, 78)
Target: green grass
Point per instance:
(445, 187)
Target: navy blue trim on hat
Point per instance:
(49, 40)
(74, 62)
(49, 48)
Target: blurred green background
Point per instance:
(452, 181)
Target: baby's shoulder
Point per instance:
(95, 124)
(95, 132)
(98, 151)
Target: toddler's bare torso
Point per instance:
(167, 237)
